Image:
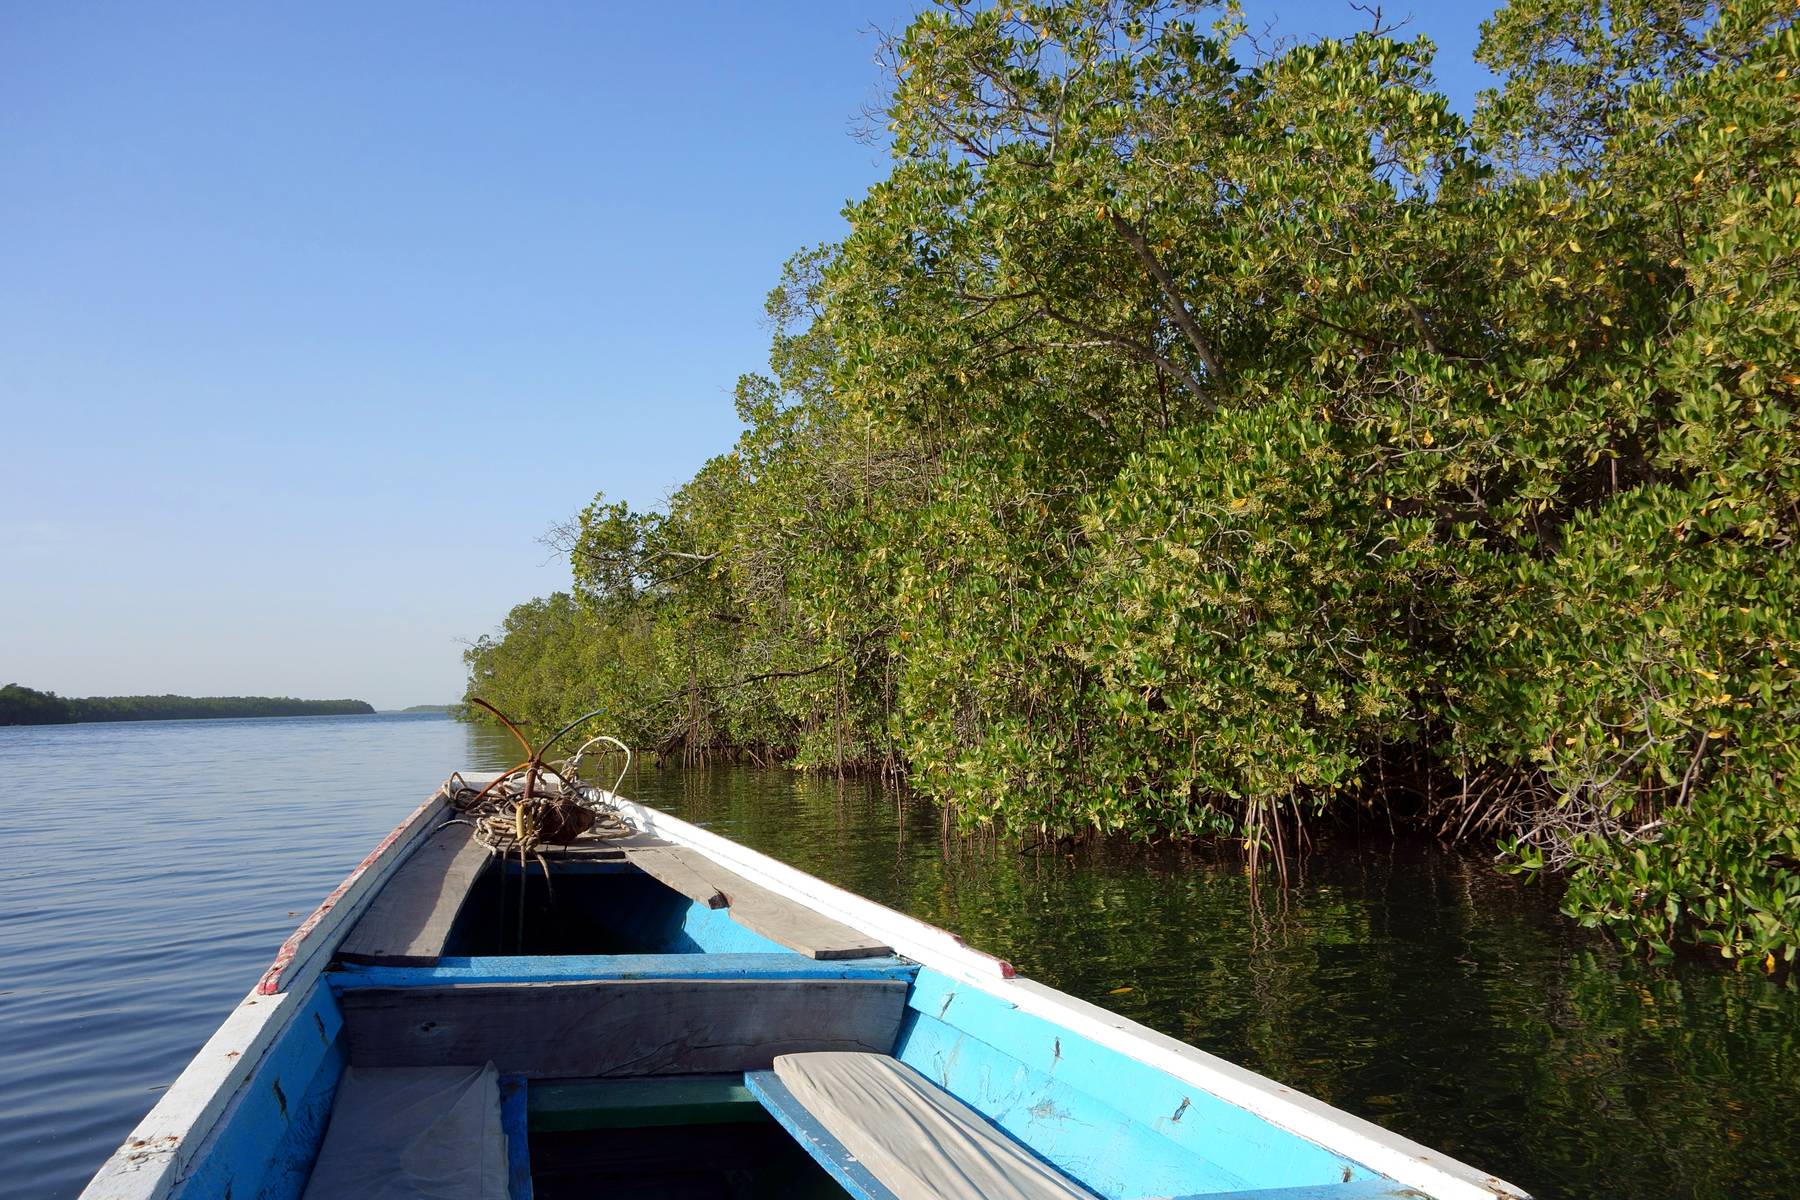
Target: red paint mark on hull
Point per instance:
(270, 983)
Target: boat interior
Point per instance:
(628, 1018)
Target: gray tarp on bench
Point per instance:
(917, 1139)
(413, 1133)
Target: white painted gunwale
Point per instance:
(1399, 1158)
(158, 1153)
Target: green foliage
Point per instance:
(1652, 673)
(1184, 444)
(21, 705)
(192, 708)
(554, 661)
(25, 706)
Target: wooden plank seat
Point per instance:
(756, 908)
(410, 919)
(674, 868)
(884, 1132)
(621, 1027)
(418, 1132)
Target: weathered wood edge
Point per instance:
(441, 870)
(597, 968)
(774, 916)
(1399, 1158)
(783, 920)
(348, 900)
(670, 866)
(621, 1026)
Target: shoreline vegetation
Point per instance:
(26, 706)
(1194, 437)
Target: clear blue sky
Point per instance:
(313, 317)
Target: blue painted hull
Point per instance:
(1123, 1112)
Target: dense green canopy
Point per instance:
(21, 705)
(1189, 439)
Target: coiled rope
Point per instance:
(530, 806)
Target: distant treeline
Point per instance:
(28, 706)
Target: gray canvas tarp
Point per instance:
(413, 1133)
(916, 1138)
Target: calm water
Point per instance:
(1411, 987)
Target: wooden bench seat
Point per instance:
(884, 1132)
(411, 917)
(606, 1028)
(781, 920)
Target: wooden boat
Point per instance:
(685, 1017)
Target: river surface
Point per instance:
(149, 870)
